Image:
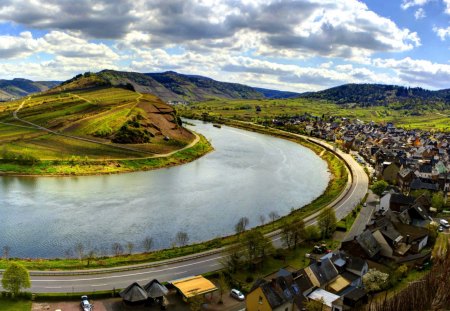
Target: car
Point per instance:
(85, 305)
(365, 204)
(236, 294)
(440, 228)
(444, 223)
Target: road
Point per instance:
(108, 279)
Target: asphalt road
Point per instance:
(115, 278)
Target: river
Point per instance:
(248, 174)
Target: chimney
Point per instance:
(408, 237)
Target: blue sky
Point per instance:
(300, 45)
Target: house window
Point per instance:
(260, 301)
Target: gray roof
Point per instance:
(155, 289)
(324, 271)
(134, 293)
(368, 243)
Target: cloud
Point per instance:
(406, 4)
(422, 73)
(420, 14)
(344, 28)
(447, 6)
(15, 47)
(96, 19)
(442, 32)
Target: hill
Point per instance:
(171, 86)
(97, 123)
(198, 88)
(11, 89)
(381, 95)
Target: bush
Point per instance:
(249, 279)
(312, 233)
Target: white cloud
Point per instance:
(420, 72)
(442, 32)
(17, 46)
(406, 4)
(447, 6)
(420, 14)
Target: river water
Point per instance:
(248, 174)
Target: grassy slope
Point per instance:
(245, 110)
(96, 114)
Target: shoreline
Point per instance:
(333, 191)
(199, 147)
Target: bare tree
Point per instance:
(117, 249)
(181, 238)
(6, 251)
(241, 225)
(273, 216)
(79, 250)
(147, 243)
(262, 219)
(130, 247)
(91, 256)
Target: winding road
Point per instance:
(116, 278)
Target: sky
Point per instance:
(302, 45)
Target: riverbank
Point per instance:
(81, 167)
(335, 187)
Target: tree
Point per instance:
(241, 225)
(327, 222)
(256, 247)
(91, 256)
(147, 243)
(262, 219)
(223, 286)
(378, 187)
(292, 232)
(181, 238)
(314, 305)
(273, 216)
(375, 280)
(130, 247)
(117, 249)
(79, 249)
(312, 233)
(15, 278)
(6, 250)
(437, 200)
(232, 259)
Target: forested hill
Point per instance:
(11, 89)
(198, 88)
(381, 95)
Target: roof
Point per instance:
(155, 289)
(368, 243)
(349, 276)
(339, 284)
(355, 294)
(417, 184)
(194, 285)
(327, 297)
(323, 270)
(413, 231)
(356, 264)
(134, 293)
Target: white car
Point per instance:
(236, 294)
(85, 305)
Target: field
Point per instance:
(14, 305)
(79, 129)
(431, 119)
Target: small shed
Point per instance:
(155, 290)
(134, 294)
(194, 286)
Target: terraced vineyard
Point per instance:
(83, 126)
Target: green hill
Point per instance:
(382, 95)
(12, 89)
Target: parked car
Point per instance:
(365, 204)
(236, 294)
(444, 223)
(85, 305)
(440, 228)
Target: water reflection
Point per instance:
(248, 175)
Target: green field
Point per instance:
(431, 119)
(84, 124)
